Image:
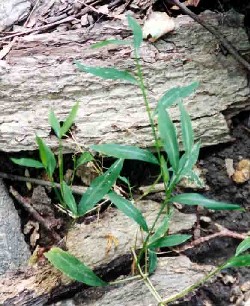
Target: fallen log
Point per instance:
(93, 244)
(39, 74)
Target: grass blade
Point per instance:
(238, 261)
(169, 138)
(137, 32)
(73, 267)
(125, 152)
(169, 241)
(108, 73)
(186, 129)
(84, 158)
(69, 198)
(99, 187)
(27, 162)
(243, 246)
(54, 123)
(110, 42)
(152, 261)
(198, 199)
(128, 209)
(69, 120)
(47, 156)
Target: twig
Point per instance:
(224, 232)
(75, 189)
(27, 206)
(220, 37)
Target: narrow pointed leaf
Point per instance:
(198, 199)
(53, 121)
(243, 246)
(152, 261)
(238, 261)
(128, 209)
(137, 32)
(27, 162)
(169, 98)
(125, 152)
(84, 158)
(186, 129)
(69, 198)
(165, 172)
(186, 91)
(73, 267)
(162, 229)
(108, 73)
(169, 138)
(69, 120)
(169, 241)
(188, 160)
(47, 156)
(99, 187)
(110, 42)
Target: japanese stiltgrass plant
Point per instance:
(177, 166)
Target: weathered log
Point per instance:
(39, 74)
(103, 245)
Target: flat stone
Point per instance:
(14, 251)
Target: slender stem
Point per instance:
(127, 279)
(145, 98)
(60, 163)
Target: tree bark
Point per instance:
(39, 74)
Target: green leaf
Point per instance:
(169, 98)
(125, 152)
(69, 120)
(173, 95)
(69, 198)
(186, 91)
(186, 129)
(165, 172)
(47, 156)
(110, 42)
(99, 187)
(238, 261)
(137, 32)
(188, 160)
(152, 261)
(163, 228)
(27, 162)
(169, 241)
(128, 209)
(243, 246)
(53, 121)
(169, 138)
(73, 267)
(108, 73)
(198, 199)
(84, 158)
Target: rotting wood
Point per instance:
(89, 242)
(39, 74)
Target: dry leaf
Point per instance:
(157, 25)
(32, 228)
(242, 172)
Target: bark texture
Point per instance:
(39, 74)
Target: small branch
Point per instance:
(220, 37)
(75, 189)
(28, 207)
(224, 232)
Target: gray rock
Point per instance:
(14, 251)
(13, 11)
